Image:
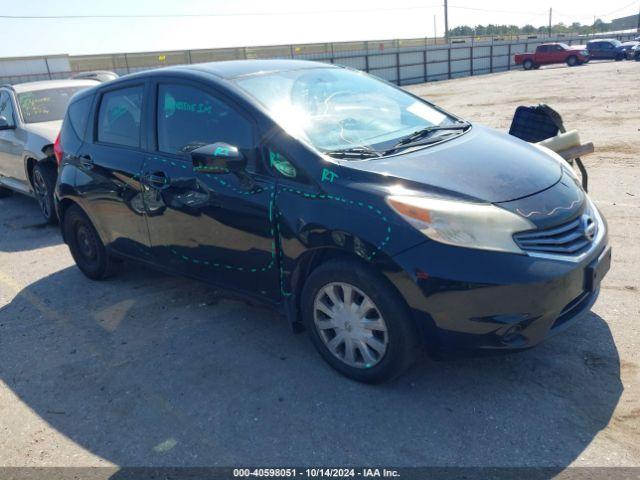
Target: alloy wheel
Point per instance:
(350, 325)
(42, 193)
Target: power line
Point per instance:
(231, 14)
(617, 10)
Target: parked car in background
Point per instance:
(30, 118)
(629, 49)
(608, 49)
(372, 217)
(99, 75)
(635, 53)
(550, 53)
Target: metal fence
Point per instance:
(400, 61)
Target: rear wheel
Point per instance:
(358, 322)
(572, 61)
(85, 245)
(44, 183)
(528, 65)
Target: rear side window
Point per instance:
(119, 117)
(6, 110)
(79, 115)
(189, 118)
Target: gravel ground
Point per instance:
(147, 369)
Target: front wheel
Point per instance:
(527, 65)
(572, 61)
(85, 245)
(358, 322)
(44, 183)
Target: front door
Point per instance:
(216, 226)
(11, 147)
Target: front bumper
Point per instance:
(468, 299)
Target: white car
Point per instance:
(31, 115)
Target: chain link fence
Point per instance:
(401, 61)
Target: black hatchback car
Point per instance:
(373, 218)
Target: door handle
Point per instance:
(86, 161)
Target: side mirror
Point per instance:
(4, 124)
(218, 158)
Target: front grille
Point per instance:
(570, 238)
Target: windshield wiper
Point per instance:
(355, 152)
(425, 132)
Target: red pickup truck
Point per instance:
(548, 53)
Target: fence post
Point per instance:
(471, 61)
(366, 61)
(491, 58)
(424, 60)
(126, 63)
(509, 57)
(398, 65)
(46, 62)
(189, 56)
(449, 60)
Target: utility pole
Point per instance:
(435, 31)
(446, 21)
(550, 14)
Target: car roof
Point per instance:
(47, 84)
(235, 68)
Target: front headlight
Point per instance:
(464, 224)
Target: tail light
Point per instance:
(57, 150)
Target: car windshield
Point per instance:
(45, 105)
(616, 43)
(565, 46)
(335, 109)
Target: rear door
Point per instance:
(215, 226)
(108, 177)
(596, 50)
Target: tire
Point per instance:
(527, 65)
(85, 245)
(43, 179)
(383, 349)
(572, 61)
(5, 192)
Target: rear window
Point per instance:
(119, 117)
(45, 105)
(79, 115)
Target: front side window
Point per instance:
(119, 117)
(189, 118)
(335, 108)
(6, 110)
(45, 105)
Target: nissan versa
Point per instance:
(373, 218)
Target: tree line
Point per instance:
(598, 26)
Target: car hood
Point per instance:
(481, 164)
(47, 130)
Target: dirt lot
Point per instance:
(146, 369)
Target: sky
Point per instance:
(162, 25)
